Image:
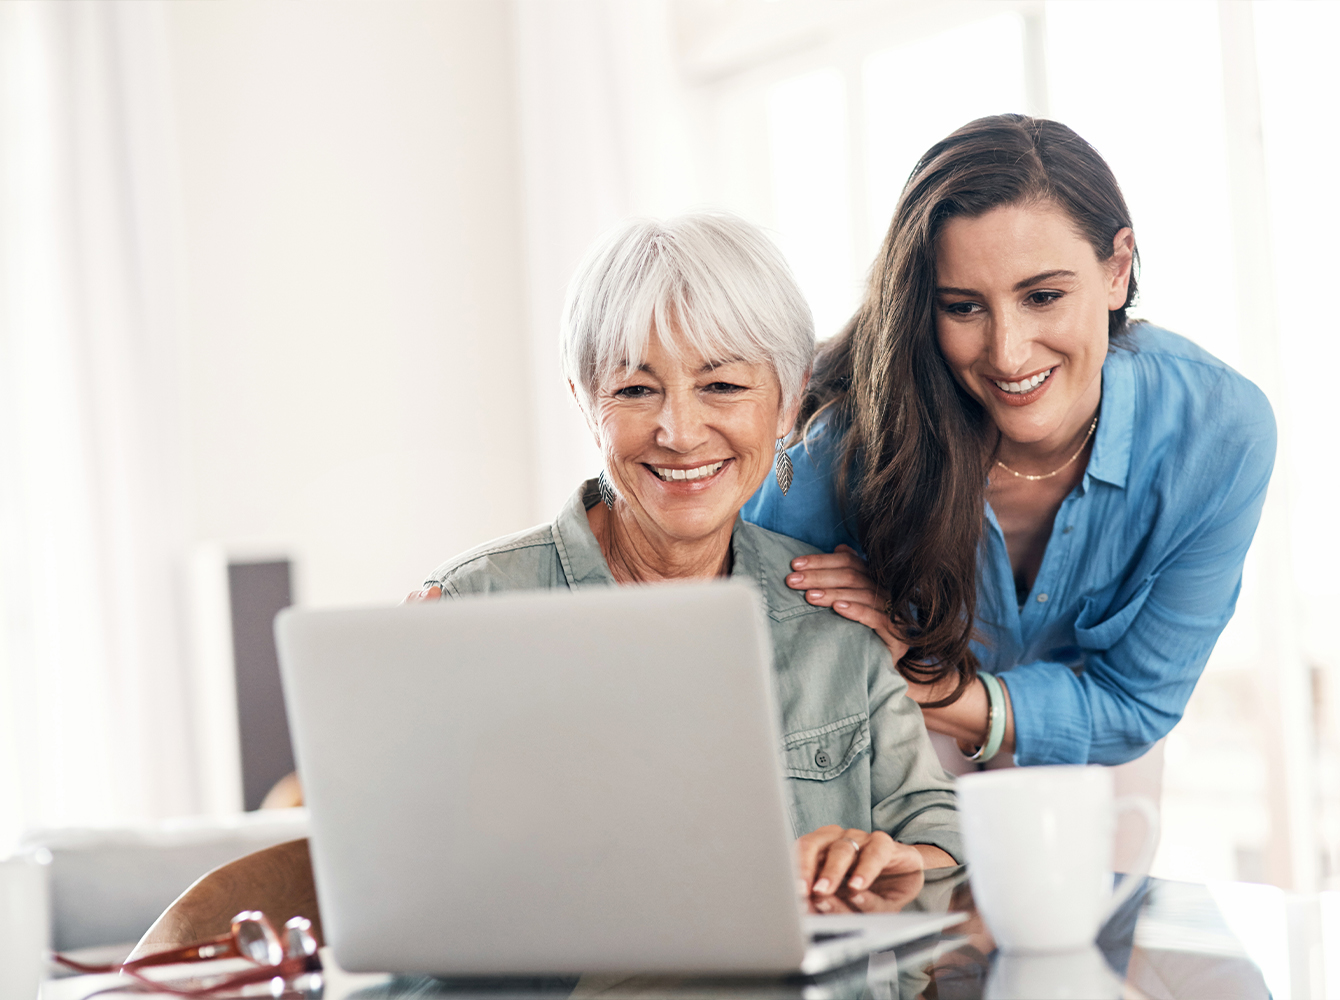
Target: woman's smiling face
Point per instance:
(1021, 312)
(687, 440)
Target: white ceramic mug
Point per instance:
(1039, 849)
(1066, 975)
(25, 924)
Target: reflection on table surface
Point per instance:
(1170, 940)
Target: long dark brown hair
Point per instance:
(915, 447)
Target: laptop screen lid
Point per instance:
(546, 782)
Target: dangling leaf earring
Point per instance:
(783, 468)
(607, 494)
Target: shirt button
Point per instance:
(821, 759)
(1067, 529)
(1042, 598)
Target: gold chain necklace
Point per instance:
(1034, 479)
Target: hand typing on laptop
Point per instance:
(887, 894)
(832, 857)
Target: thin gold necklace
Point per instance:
(1034, 479)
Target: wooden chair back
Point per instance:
(277, 881)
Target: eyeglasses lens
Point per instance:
(259, 942)
(299, 942)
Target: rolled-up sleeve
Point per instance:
(912, 797)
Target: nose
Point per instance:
(1008, 345)
(683, 422)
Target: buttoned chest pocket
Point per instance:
(824, 753)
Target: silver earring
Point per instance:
(784, 469)
(607, 494)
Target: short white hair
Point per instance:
(708, 282)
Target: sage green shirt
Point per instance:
(854, 747)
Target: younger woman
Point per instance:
(1053, 501)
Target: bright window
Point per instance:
(910, 102)
(807, 128)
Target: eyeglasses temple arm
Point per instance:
(219, 947)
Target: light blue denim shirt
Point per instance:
(854, 746)
(1143, 566)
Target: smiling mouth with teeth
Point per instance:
(702, 472)
(1027, 385)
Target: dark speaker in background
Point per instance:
(257, 591)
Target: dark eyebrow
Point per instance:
(1037, 279)
(1019, 286)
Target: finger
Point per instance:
(864, 902)
(809, 853)
(868, 901)
(833, 579)
(826, 598)
(838, 860)
(877, 621)
(433, 593)
(896, 891)
(830, 905)
(876, 852)
(842, 558)
(887, 894)
(832, 566)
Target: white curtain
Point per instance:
(93, 723)
(603, 137)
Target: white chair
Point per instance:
(108, 885)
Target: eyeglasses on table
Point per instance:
(252, 937)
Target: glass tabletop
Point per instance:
(1230, 941)
(1170, 940)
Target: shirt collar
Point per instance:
(1111, 458)
(578, 551)
(747, 563)
(584, 564)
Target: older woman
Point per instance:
(688, 346)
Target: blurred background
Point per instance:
(279, 297)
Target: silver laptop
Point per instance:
(555, 782)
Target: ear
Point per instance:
(786, 419)
(590, 422)
(1119, 267)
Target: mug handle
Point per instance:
(1146, 807)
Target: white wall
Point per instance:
(356, 381)
(604, 136)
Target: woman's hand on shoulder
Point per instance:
(841, 580)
